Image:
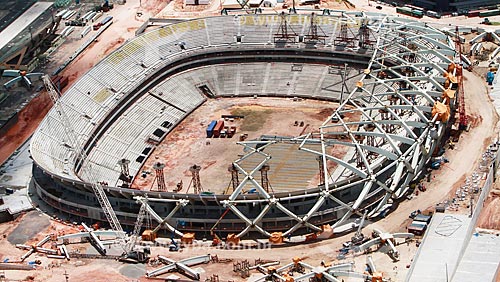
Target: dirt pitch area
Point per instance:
(188, 144)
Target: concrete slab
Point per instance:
(441, 247)
(16, 203)
(481, 260)
(33, 223)
(133, 270)
(16, 171)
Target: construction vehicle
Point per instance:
(486, 21)
(388, 240)
(216, 239)
(174, 246)
(129, 254)
(136, 256)
(358, 237)
(102, 23)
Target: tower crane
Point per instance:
(97, 188)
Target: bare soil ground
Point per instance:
(187, 144)
(490, 215)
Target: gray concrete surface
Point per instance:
(33, 223)
(133, 270)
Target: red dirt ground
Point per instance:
(29, 118)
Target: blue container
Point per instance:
(210, 128)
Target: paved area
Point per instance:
(33, 223)
(480, 261)
(15, 174)
(133, 270)
(444, 240)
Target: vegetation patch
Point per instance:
(255, 117)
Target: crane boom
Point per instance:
(463, 120)
(137, 228)
(82, 155)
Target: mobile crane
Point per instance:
(217, 240)
(129, 255)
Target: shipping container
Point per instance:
(422, 218)
(474, 13)
(106, 20)
(414, 7)
(231, 132)
(210, 128)
(489, 13)
(417, 227)
(404, 11)
(417, 13)
(218, 128)
(433, 14)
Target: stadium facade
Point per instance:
(158, 78)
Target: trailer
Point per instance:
(433, 14)
(210, 128)
(474, 13)
(489, 13)
(417, 13)
(103, 22)
(410, 11)
(404, 11)
(106, 20)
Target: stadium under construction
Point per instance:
(390, 116)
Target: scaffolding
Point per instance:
(125, 176)
(159, 176)
(312, 35)
(285, 33)
(195, 179)
(263, 177)
(234, 179)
